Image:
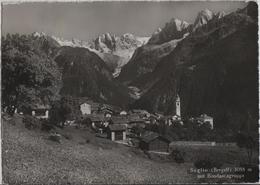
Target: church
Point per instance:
(177, 115)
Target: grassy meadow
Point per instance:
(82, 158)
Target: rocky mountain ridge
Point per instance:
(205, 16)
(162, 42)
(116, 51)
(205, 70)
(174, 29)
(202, 62)
(83, 72)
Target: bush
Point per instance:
(85, 122)
(251, 173)
(82, 143)
(246, 140)
(207, 163)
(31, 122)
(147, 154)
(67, 136)
(60, 112)
(178, 155)
(47, 126)
(55, 137)
(12, 121)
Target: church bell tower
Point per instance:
(178, 105)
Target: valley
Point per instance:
(122, 108)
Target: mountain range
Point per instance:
(213, 69)
(114, 50)
(211, 64)
(162, 43)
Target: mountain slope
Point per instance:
(159, 45)
(30, 158)
(30, 76)
(116, 51)
(85, 74)
(45, 43)
(175, 29)
(205, 69)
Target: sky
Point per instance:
(87, 20)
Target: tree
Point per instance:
(205, 131)
(60, 112)
(191, 129)
(246, 141)
(162, 127)
(29, 76)
(247, 138)
(152, 127)
(137, 129)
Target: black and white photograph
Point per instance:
(129, 92)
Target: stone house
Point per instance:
(152, 141)
(117, 132)
(119, 120)
(99, 123)
(204, 118)
(41, 111)
(109, 109)
(141, 113)
(85, 108)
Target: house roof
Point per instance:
(119, 119)
(135, 118)
(41, 106)
(153, 116)
(117, 127)
(140, 111)
(106, 111)
(205, 116)
(82, 100)
(150, 136)
(109, 107)
(96, 117)
(84, 104)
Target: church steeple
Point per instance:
(178, 105)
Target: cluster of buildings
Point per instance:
(120, 125)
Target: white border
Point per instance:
(5, 2)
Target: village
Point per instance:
(129, 93)
(125, 127)
(94, 130)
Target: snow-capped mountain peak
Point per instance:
(142, 40)
(39, 34)
(108, 36)
(157, 31)
(205, 16)
(220, 14)
(202, 18)
(174, 29)
(109, 47)
(129, 35)
(206, 12)
(179, 24)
